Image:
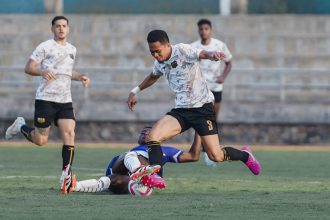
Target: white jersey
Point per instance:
(212, 69)
(185, 77)
(58, 59)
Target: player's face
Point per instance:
(60, 29)
(205, 31)
(160, 51)
(144, 135)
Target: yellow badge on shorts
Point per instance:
(41, 120)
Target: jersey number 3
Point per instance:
(209, 125)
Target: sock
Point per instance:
(26, 131)
(132, 161)
(93, 185)
(155, 155)
(234, 154)
(203, 149)
(67, 155)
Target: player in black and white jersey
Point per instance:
(194, 101)
(215, 73)
(53, 60)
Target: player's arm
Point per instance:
(32, 68)
(80, 77)
(147, 82)
(194, 151)
(211, 55)
(225, 73)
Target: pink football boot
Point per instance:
(153, 181)
(252, 162)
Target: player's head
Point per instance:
(159, 45)
(143, 135)
(60, 27)
(204, 29)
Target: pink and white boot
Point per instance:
(252, 162)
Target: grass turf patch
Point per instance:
(293, 185)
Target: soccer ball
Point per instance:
(138, 189)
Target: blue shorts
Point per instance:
(108, 172)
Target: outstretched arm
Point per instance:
(147, 82)
(194, 152)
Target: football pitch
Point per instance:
(293, 185)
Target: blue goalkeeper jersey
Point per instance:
(170, 155)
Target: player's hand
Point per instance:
(48, 75)
(220, 79)
(218, 56)
(84, 80)
(131, 101)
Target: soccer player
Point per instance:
(53, 60)
(194, 101)
(120, 167)
(214, 72)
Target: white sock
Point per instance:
(132, 161)
(93, 185)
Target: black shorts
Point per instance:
(47, 112)
(202, 119)
(217, 96)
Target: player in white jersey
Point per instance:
(214, 72)
(53, 60)
(194, 101)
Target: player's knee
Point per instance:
(40, 140)
(154, 137)
(69, 135)
(216, 157)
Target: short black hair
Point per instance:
(158, 35)
(204, 21)
(56, 18)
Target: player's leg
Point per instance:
(166, 128)
(203, 121)
(217, 103)
(94, 185)
(43, 116)
(138, 166)
(67, 132)
(140, 170)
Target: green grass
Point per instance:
(293, 185)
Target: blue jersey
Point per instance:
(170, 155)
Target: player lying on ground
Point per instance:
(194, 101)
(53, 61)
(120, 169)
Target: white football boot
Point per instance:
(14, 128)
(209, 162)
(67, 180)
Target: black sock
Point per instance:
(234, 154)
(203, 148)
(155, 155)
(67, 155)
(26, 131)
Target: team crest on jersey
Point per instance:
(71, 56)
(174, 64)
(41, 120)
